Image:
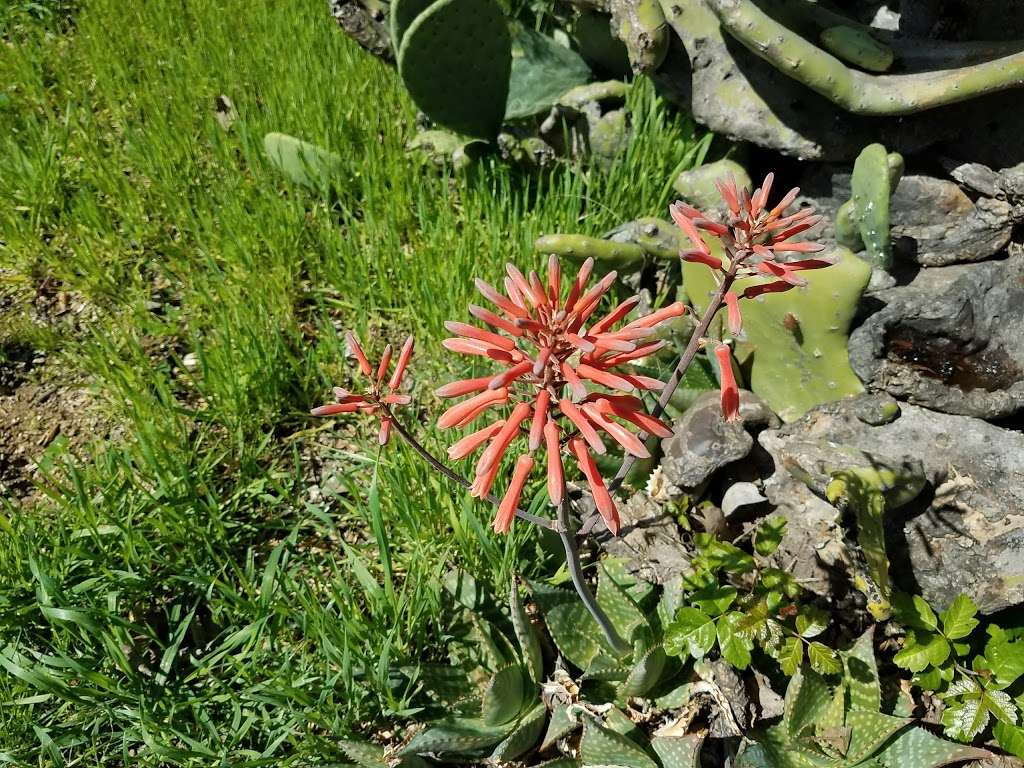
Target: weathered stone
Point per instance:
(934, 223)
(951, 340)
(966, 531)
(703, 441)
(811, 547)
(648, 541)
(739, 495)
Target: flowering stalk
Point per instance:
(752, 238)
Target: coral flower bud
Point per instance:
(602, 499)
(730, 392)
(507, 508)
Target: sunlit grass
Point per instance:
(181, 597)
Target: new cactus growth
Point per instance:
(851, 89)
(794, 344)
(455, 59)
(862, 223)
(303, 163)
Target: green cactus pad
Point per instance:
(401, 16)
(794, 353)
(678, 751)
(872, 187)
(542, 70)
(303, 163)
(363, 754)
(524, 737)
(526, 635)
(862, 223)
(857, 47)
(455, 60)
(602, 746)
(580, 248)
(504, 696)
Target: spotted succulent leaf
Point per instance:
(524, 737)
(504, 696)
(526, 635)
(602, 746)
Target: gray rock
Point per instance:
(740, 495)
(966, 531)
(703, 442)
(951, 340)
(934, 223)
(648, 541)
(812, 546)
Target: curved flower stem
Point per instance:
(572, 561)
(455, 477)
(562, 526)
(680, 370)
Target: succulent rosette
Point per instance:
(561, 383)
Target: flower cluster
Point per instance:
(752, 239)
(559, 375)
(379, 398)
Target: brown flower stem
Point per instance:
(455, 477)
(572, 560)
(680, 370)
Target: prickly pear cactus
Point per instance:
(303, 163)
(455, 59)
(642, 27)
(794, 345)
(862, 223)
(401, 16)
(857, 47)
(698, 185)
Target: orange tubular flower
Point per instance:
(753, 237)
(380, 397)
(730, 392)
(557, 369)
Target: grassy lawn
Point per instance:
(192, 571)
